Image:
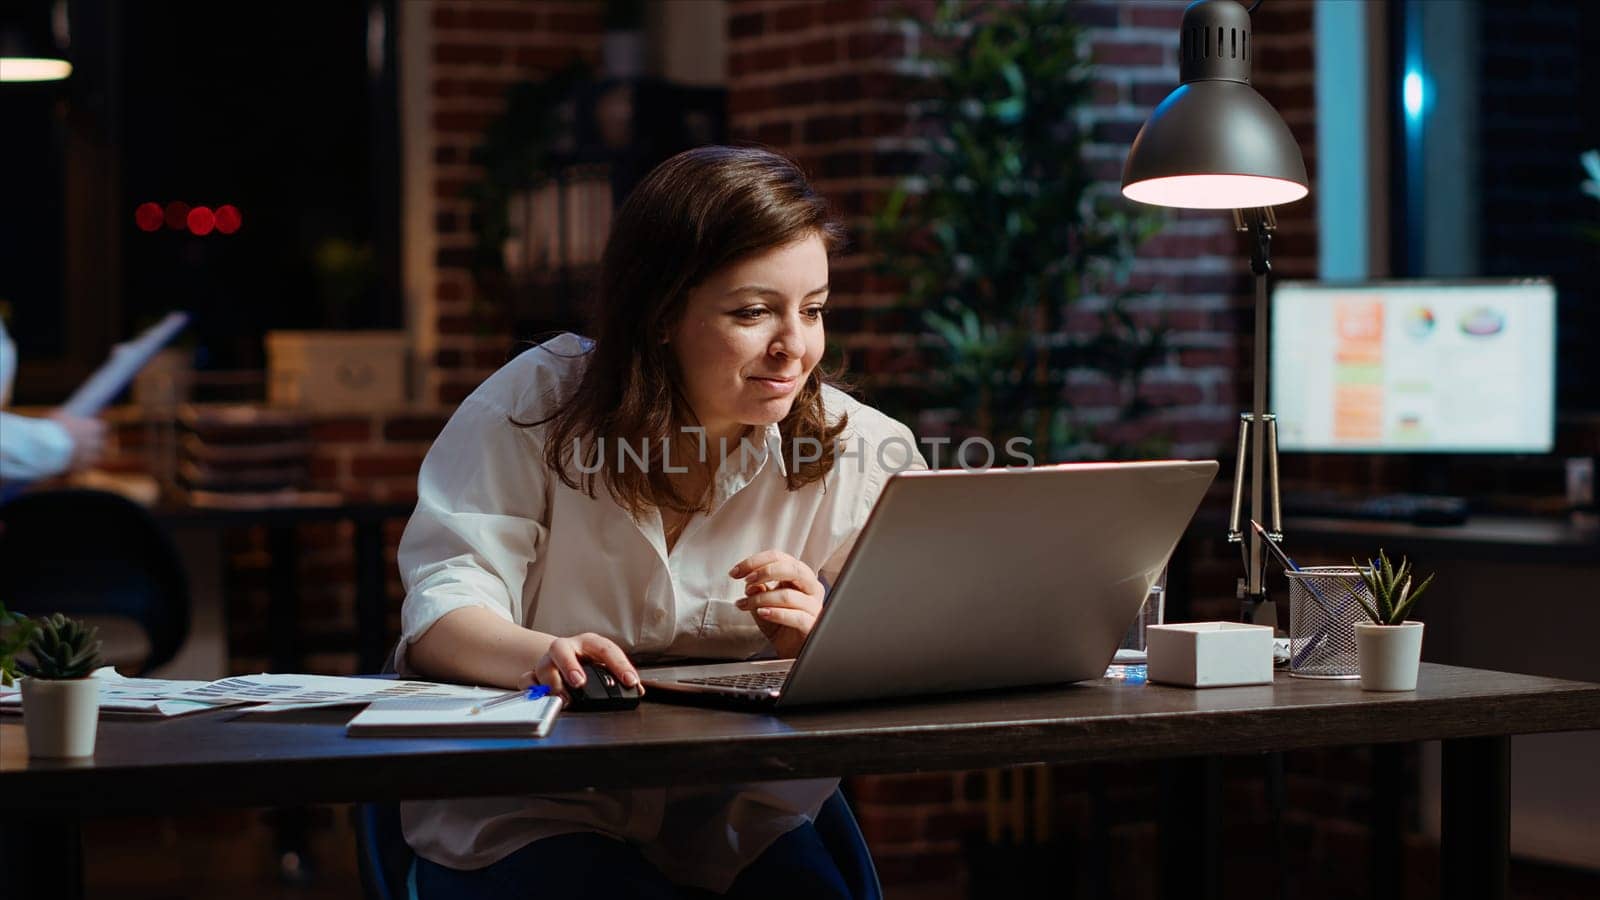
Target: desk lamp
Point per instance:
(1214, 143)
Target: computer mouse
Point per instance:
(601, 691)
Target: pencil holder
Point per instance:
(1323, 612)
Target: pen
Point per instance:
(1287, 563)
(532, 693)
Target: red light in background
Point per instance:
(177, 215)
(148, 216)
(202, 220)
(228, 218)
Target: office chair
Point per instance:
(95, 555)
(385, 858)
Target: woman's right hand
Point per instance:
(560, 666)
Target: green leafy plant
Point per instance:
(63, 648)
(1006, 228)
(16, 631)
(1392, 593)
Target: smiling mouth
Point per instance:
(789, 380)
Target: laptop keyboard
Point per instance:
(754, 681)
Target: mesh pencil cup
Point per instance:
(1323, 612)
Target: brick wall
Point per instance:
(480, 48)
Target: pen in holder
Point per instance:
(1323, 612)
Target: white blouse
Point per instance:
(494, 528)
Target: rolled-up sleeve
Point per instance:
(482, 517)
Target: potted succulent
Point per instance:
(60, 702)
(1390, 646)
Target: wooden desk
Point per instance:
(1502, 538)
(224, 759)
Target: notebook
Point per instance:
(511, 716)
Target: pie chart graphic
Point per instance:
(1418, 322)
(1482, 321)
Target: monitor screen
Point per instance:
(1421, 367)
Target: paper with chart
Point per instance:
(281, 692)
(263, 693)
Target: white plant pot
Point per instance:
(60, 717)
(1389, 655)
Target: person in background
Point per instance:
(34, 448)
(681, 486)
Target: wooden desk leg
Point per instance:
(1387, 821)
(371, 623)
(1191, 828)
(283, 610)
(1475, 812)
(291, 824)
(42, 858)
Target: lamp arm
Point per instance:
(1259, 223)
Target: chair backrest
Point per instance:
(84, 552)
(384, 857)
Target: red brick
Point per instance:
(775, 134)
(934, 787)
(455, 325)
(796, 93)
(368, 465)
(746, 24)
(519, 19)
(796, 16)
(449, 188)
(1096, 15)
(1150, 93)
(889, 825)
(462, 122)
(580, 20)
(1126, 53)
(545, 59)
(818, 52)
(835, 11)
(744, 100)
(1157, 15)
(1106, 93)
(413, 428)
(485, 54)
(888, 45)
(341, 431)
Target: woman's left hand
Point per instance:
(783, 595)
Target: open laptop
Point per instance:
(968, 580)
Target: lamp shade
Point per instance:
(1214, 143)
(28, 50)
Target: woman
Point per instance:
(657, 493)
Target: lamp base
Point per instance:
(1256, 609)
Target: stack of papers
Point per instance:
(264, 692)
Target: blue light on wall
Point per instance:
(1413, 92)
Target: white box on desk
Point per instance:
(1210, 654)
(337, 371)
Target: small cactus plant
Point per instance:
(63, 648)
(1391, 590)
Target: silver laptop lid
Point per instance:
(966, 580)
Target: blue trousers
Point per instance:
(589, 866)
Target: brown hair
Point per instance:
(692, 215)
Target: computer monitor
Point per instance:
(1414, 366)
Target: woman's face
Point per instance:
(750, 336)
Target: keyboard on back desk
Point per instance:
(1418, 509)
